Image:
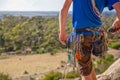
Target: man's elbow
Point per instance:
(63, 11)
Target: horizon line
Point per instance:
(30, 10)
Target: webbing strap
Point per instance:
(89, 29)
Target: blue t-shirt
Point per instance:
(83, 14)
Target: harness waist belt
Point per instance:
(91, 29)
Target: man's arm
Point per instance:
(116, 23)
(62, 21)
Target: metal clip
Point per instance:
(81, 38)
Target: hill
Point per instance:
(38, 34)
(43, 13)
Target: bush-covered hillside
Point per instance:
(36, 34)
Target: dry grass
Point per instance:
(16, 66)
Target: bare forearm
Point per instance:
(62, 19)
(63, 15)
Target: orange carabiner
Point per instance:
(78, 55)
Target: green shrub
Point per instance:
(5, 77)
(53, 76)
(32, 78)
(53, 52)
(40, 51)
(18, 52)
(1, 50)
(115, 45)
(10, 48)
(49, 48)
(110, 58)
(34, 48)
(102, 64)
(73, 74)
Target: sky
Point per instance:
(31, 5)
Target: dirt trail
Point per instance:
(114, 52)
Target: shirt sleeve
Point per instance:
(110, 3)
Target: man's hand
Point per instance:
(63, 38)
(62, 21)
(116, 24)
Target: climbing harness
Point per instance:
(75, 46)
